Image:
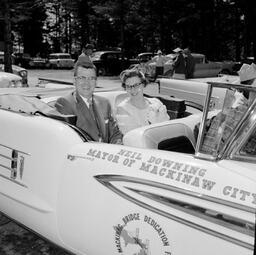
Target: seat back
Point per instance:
(166, 135)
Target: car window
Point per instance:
(53, 57)
(221, 123)
(64, 56)
(97, 55)
(110, 56)
(220, 126)
(249, 148)
(199, 60)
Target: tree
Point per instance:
(7, 36)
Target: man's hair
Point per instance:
(132, 73)
(88, 46)
(83, 62)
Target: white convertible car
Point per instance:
(161, 192)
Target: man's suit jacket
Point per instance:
(104, 127)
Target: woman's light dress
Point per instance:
(130, 117)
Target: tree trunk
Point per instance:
(7, 37)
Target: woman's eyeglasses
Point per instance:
(134, 86)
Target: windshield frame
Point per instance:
(231, 143)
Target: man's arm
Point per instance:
(63, 106)
(115, 135)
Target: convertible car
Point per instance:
(172, 188)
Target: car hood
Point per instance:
(8, 76)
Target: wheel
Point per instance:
(102, 71)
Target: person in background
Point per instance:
(136, 110)
(189, 64)
(160, 60)
(87, 53)
(94, 113)
(179, 65)
(145, 68)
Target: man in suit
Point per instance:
(190, 64)
(179, 64)
(94, 114)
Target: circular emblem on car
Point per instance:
(139, 234)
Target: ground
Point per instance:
(15, 240)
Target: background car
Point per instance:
(169, 58)
(39, 62)
(22, 72)
(60, 60)
(203, 67)
(110, 62)
(21, 59)
(9, 80)
(142, 57)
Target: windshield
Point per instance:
(97, 55)
(221, 120)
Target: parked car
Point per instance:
(110, 62)
(22, 72)
(9, 80)
(203, 67)
(144, 197)
(142, 57)
(60, 60)
(21, 59)
(39, 62)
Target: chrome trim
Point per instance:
(106, 179)
(200, 212)
(21, 169)
(204, 117)
(6, 167)
(3, 156)
(16, 157)
(109, 178)
(15, 149)
(13, 180)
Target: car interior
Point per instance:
(170, 136)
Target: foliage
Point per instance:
(221, 29)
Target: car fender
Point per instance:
(97, 177)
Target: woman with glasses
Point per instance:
(136, 110)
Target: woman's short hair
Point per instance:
(132, 73)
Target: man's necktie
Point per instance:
(91, 110)
(94, 116)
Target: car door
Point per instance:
(113, 63)
(205, 68)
